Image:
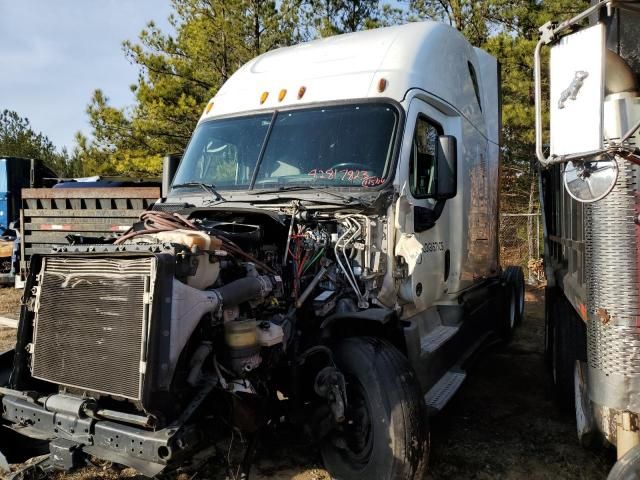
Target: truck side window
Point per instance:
(423, 154)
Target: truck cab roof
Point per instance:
(372, 64)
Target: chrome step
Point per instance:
(436, 338)
(441, 392)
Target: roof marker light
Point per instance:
(301, 92)
(382, 85)
(282, 94)
(209, 107)
(263, 97)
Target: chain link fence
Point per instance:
(521, 243)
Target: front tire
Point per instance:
(385, 434)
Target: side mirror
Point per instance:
(169, 167)
(446, 168)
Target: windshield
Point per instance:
(342, 146)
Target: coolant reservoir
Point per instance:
(270, 334)
(189, 238)
(208, 268)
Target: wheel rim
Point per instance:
(355, 436)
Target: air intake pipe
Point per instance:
(189, 304)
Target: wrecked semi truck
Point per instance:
(589, 198)
(326, 257)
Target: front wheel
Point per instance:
(384, 435)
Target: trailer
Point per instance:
(326, 257)
(75, 212)
(589, 197)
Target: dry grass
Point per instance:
(9, 307)
(10, 302)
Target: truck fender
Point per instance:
(373, 322)
(379, 315)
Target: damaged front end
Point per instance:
(146, 351)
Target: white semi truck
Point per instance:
(589, 197)
(326, 256)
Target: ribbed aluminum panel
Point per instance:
(612, 249)
(91, 323)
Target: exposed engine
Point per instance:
(234, 304)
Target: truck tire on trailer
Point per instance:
(549, 304)
(385, 434)
(515, 276)
(628, 467)
(568, 345)
(512, 304)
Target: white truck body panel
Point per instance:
(429, 69)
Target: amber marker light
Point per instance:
(209, 107)
(282, 94)
(382, 85)
(263, 97)
(301, 92)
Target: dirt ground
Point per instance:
(502, 424)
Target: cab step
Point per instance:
(436, 338)
(441, 392)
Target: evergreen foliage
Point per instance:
(180, 71)
(19, 139)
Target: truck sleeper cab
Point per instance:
(326, 254)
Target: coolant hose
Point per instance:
(245, 289)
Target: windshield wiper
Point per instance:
(207, 187)
(295, 188)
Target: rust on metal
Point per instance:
(604, 315)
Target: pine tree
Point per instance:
(178, 74)
(19, 139)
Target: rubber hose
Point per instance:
(244, 289)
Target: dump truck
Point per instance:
(589, 198)
(326, 258)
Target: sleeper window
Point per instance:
(423, 154)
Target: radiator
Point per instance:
(91, 324)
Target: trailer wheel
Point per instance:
(628, 467)
(569, 345)
(515, 276)
(508, 309)
(384, 435)
(549, 308)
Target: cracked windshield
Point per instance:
(340, 146)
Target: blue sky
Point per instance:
(55, 53)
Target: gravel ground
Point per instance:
(502, 424)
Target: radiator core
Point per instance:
(92, 322)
